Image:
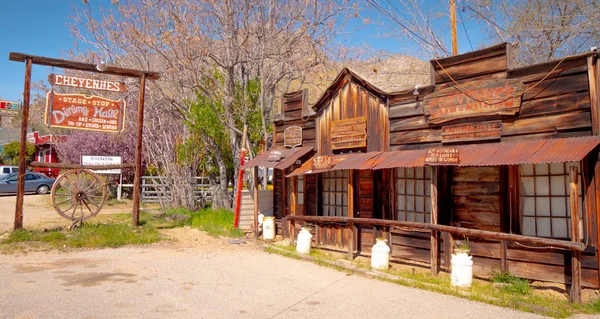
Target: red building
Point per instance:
(45, 151)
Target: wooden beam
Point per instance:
(575, 236)
(503, 258)
(352, 236)
(22, 148)
(135, 215)
(460, 231)
(255, 218)
(593, 83)
(74, 166)
(434, 251)
(88, 67)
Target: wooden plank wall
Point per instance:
(353, 100)
(556, 106)
(294, 111)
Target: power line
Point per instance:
(462, 21)
(377, 6)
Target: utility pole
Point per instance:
(453, 26)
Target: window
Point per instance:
(413, 193)
(13, 178)
(30, 177)
(335, 193)
(14, 170)
(300, 190)
(6, 170)
(545, 200)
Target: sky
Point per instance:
(41, 27)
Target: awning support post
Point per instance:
(434, 220)
(575, 236)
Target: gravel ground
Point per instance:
(202, 277)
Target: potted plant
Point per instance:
(462, 264)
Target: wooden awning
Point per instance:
(559, 150)
(278, 158)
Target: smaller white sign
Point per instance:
(102, 160)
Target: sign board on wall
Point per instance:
(102, 160)
(78, 111)
(82, 83)
(443, 156)
(322, 162)
(349, 133)
(480, 131)
(473, 99)
(292, 136)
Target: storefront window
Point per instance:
(413, 193)
(545, 200)
(335, 193)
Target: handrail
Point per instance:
(485, 234)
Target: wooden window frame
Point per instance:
(552, 217)
(327, 209)
(401, 213)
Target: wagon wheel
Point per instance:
(78, 195)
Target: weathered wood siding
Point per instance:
(476, 198)
(350, 101)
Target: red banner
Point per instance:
(78, 111)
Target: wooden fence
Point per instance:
(158, 188)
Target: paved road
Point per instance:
(213, 280)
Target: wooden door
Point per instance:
(476, 198)
(364, 206)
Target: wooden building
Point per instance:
(497, 153)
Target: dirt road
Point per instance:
(202, 277)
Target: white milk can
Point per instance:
(380, 255)
(304, 241)
(462, 270)
(269, 228)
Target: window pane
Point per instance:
(400, 203)
(428, 218)
(542, 205)
(345, 198)
(338, 185)
(410, 203)
(541, 169)
(529, 206)
(527, 186)
(557, 185)
(401, 217)
(300, 200)
(338, 211)
(410, 187)
(420, 204)
(338, 198)
(428, 205)
(345, 185)
(400, 172)
(331, 198)
(428, 188)
(325, 199)
(420, 218)
(410, 173)
(420, 187)
(542, 186)
(543, 226)
(419, 174)
(526, 170)
(559, 228)
(325, 185)
(401, 186)
(410, 217)
(6, 170)
(345, 211)
(300, 186)
(529, 226)
(559, 206)
(428, 172)
(557, 169)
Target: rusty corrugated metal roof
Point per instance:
(490, 154)
(287, 159)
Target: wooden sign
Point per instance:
(473, 99)
(275, 156)
(349, 133)
(472, 132)
(292, 136)
(443, 156)
(90, 84)
(322, 162)
(77, 111)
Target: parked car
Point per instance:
(34, 182)
(7, 170)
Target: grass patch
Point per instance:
(214, 222)
(88, 236)
(511, 283)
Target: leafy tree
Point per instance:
(10, 154)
